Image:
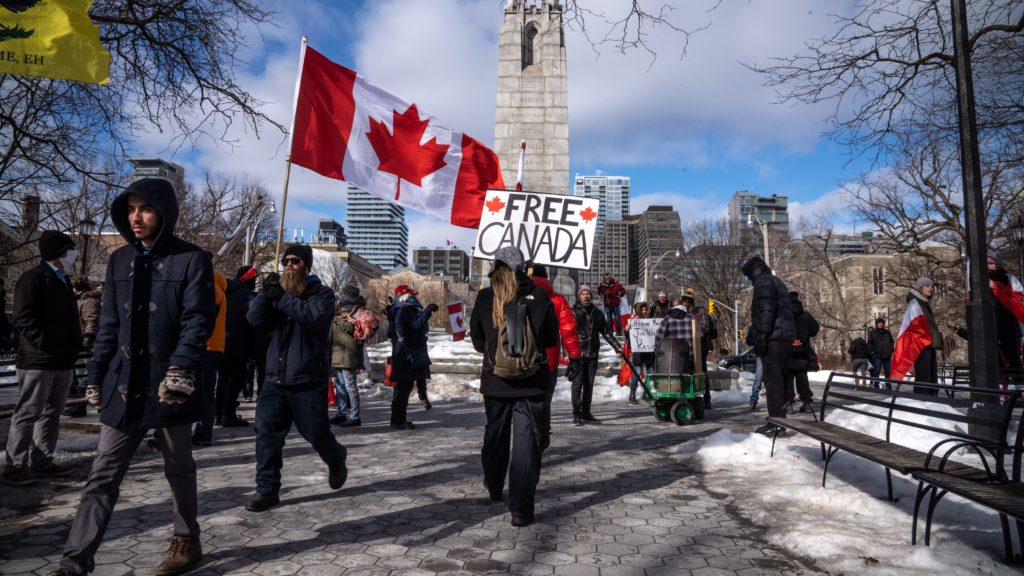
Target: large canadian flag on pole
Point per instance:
(913, 337)
(349, 129)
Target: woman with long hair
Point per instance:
(514, 386)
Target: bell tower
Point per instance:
(532, 96)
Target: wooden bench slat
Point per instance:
(1005, 498)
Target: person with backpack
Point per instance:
(513, 323)
(611, 293)
(591, 326)
(805, 327)
(410, 360)
(347, 357)
(881, 344)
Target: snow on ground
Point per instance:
(846, 526)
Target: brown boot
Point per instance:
(181, 557)
(751, 406)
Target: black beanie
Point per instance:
(539, 271)
(53, 244)
(302, 251)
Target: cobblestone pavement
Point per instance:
(611, 502)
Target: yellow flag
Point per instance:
(51, 39)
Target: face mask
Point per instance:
(69, 258)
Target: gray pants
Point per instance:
(36, 421)
(103, 486)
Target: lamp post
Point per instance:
(648, 269)
(250, 234)
(86, 228)
(1017, 232)
(751, 220)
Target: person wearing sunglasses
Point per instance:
(296, 310)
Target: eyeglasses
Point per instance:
(287, 261)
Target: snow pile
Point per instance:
(847, 526)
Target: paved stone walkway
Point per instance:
(611, 502)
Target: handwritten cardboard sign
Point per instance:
(550, 229)
(642, 332)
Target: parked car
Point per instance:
(744, 362)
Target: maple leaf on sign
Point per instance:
(588, 214)
(458, 321)
(495, 205)
(401, 153)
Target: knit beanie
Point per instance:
(584, 288)
(53, 244)
(922, 282)
(302, 251)
(539, 271)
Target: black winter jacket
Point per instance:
(771, 316)
(485, 338)
(591, 325)
(859, 349)
(299, 353)
(408, 325)
(881, 343)
(238, 333)
(172, 284)
(46, 319)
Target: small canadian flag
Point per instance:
(457, 317)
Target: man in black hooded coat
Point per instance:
(771, 332)
(800, 354)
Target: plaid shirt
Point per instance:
(677, 326)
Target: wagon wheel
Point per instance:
(698, 408)
(682, 412)
(661, 411)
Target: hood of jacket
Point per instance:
(796, 305)
(158, 194)
(678, 313)
(91, 294)
(754, 267)
(916, 294)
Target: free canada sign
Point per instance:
(550, 229)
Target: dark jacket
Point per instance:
(46, 319)
(299, 353)
(238, 333)
(590, 325)
(485, 338)
(172, 283)
(859, 349)
(346, 351)
(89, 304)
(881, 343)
(660, 309)
(806, 327)
(771, 317)
(409, 323)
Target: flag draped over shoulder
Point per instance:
(52, 39)
(913, 337)
(349, 129)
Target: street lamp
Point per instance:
(648, 269)
(86, 228)
(250, 234)
(751, 219)
(1017, 232)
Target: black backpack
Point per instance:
(517, 355)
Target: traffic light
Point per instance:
(741, 334)
(711, 306)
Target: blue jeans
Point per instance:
(611, 316)
(277, 408)
(347, 392)
(755, 388)
(881, 365)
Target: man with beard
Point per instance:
(296, 310)
(590, 325)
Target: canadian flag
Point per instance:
(349, 129)
(624, 311)
(913, 337)
(457, 317)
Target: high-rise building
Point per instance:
(659, 235)
(158, 168)
(377, 230)
(532, 103)
(615, 253)
(611, 191)
(330, 233)
(747, 207)
(441, 261)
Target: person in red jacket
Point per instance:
(611, 295)
(570, 341)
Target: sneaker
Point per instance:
(807, 408)
(520, 521)
(403, 426)
(183, 554)
(767, 430)
(751, 406)
(235, 422)
(18, 477)
(590, 418)
(633, 400)
(350, 423)
(426, 404)
(75, 410)
(262, 502)
(55, 469)
(577, 421)
(338, 419)
(200, 443)
(337, 476)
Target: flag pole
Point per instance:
(288, 159)
(519, 172)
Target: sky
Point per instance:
(688, 129)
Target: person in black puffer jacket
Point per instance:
(881, 344)
(860, 353)
(515, 408)
(408, 324)
(800, 354)
(771, 332)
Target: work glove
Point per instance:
(177, 385)
(573, 369)
(272, 286)
(92, 395)
(431, 308)
(761, 345)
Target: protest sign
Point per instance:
(641, 334)
(550, 229)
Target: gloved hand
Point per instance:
(573, 369)
(93, 396)
(87, 341)
(431, 308)
(761, 345)
(177, 385)
(272, 286)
